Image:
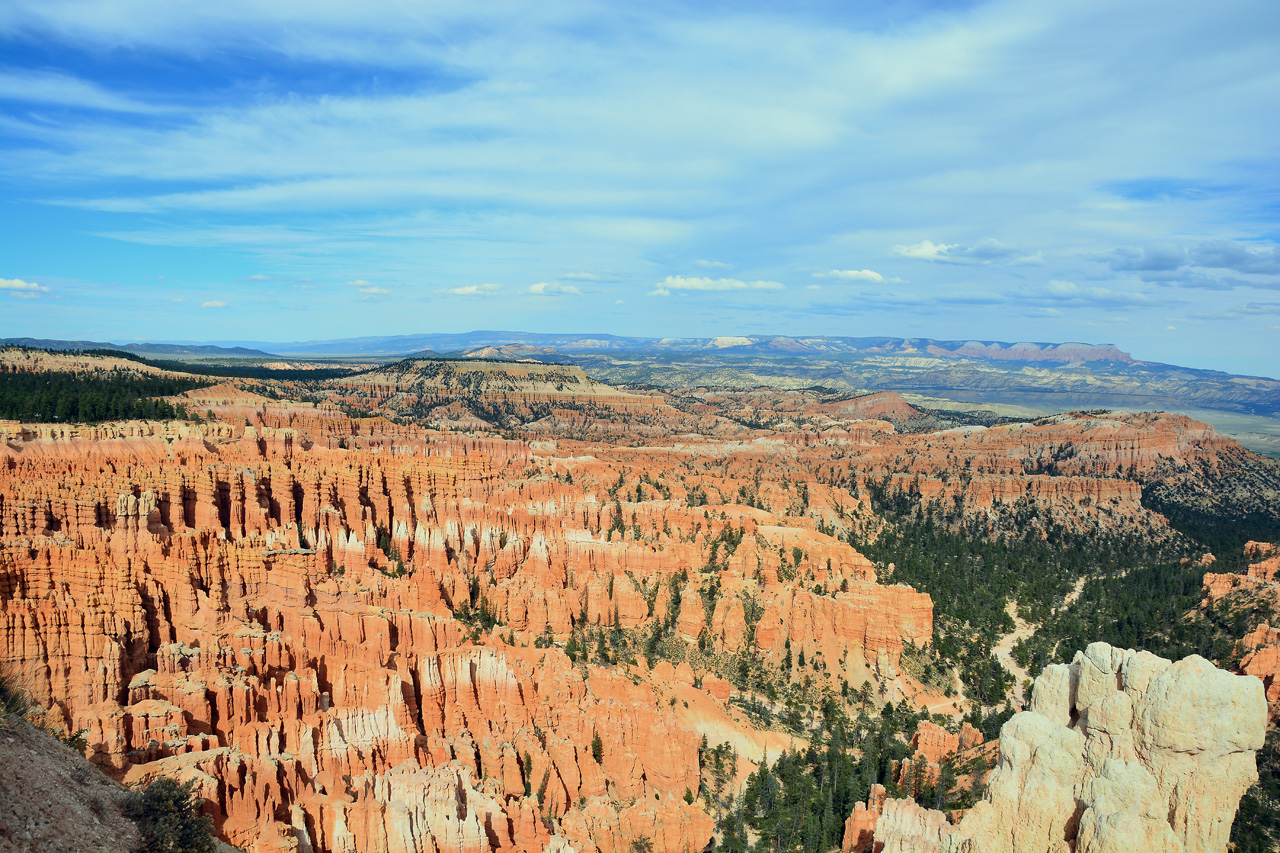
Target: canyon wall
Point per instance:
(359, 635)
(286, 611)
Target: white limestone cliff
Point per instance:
(1120, 751)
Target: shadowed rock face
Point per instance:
(1120, 751)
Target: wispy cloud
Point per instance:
(213, 303)
(1069, 292)
(1209, 265)
(369, 289)
(547, 288)
(1225, 254)
(713, 265)
(1157, 258)
(983, 252)
(680, 282)
(853, 275)
(64, 90)
(1260, 308)
(487, 289)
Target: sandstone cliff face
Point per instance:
(283, 610)
(860, 828)
(1120, 751)
(1082, 471)
(1259, 649)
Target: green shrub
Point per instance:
(168, 816)
(13, 702)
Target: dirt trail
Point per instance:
(1022, 630)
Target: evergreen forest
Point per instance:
(105, 395)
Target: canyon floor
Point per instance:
(503, 605)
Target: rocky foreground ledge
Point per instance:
(1121, 751)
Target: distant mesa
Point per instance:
(137, 348)
(996, 351)
(730, 341)
(514, 352)
(529, 344)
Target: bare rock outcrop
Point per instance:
(1261, 650)
(860, 827)
(1120, 751)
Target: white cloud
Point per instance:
(487, 289)
(982, 252)
(851, 275)
(1063, 288)
(259, 277)
(713, 265)
(213, 303)
(680, 282)
(17, 287)
(925, 250)
(547, 288)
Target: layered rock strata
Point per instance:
(287, 612)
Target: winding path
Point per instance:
(1022, 629)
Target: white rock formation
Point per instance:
(1120, 751)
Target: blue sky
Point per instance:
(1091, 171)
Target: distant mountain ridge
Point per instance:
(136, 348)
(1059, 376)
(1024, 351)
(533, 344)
